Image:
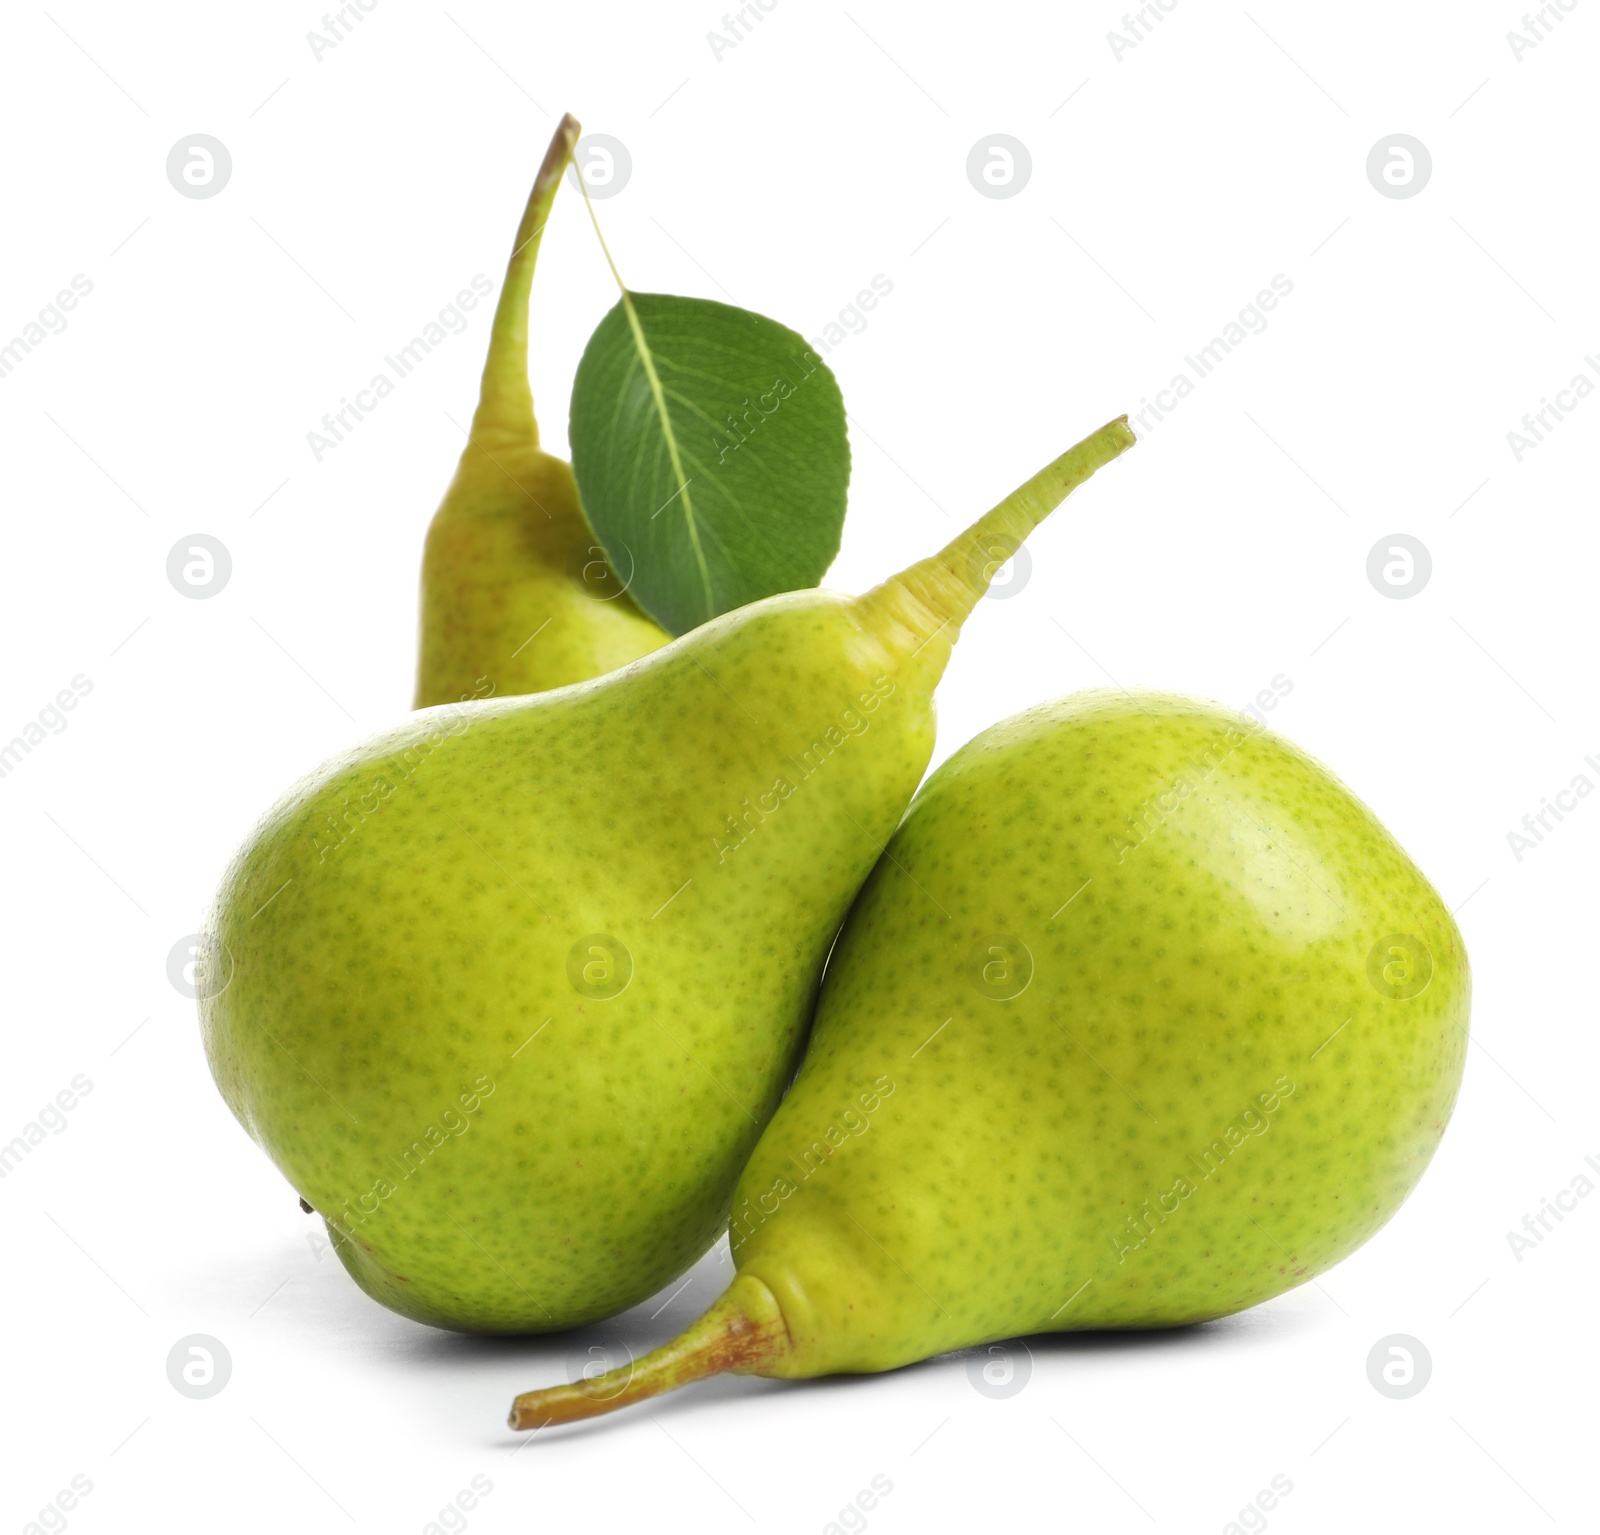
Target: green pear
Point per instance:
(517, 595)
(1141, 1019)
(515, 987)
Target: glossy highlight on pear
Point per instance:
(1143, 1018)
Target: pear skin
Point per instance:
(517, 595)
(1142, 1019)
(515, 987)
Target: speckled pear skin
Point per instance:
(1216, 1084)
(494, 1148)
(512, 990)
(517, 595)
(516, 592)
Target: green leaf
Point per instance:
(710, 451)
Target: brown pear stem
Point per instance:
(505, 402)
(932, 599)
(742, 1332)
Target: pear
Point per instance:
(1142, 1019)
(517, 594)
(514, 988)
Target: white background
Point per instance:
(1229, 548)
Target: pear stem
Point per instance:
(743, 1331)
(505, 401)
(932, 598)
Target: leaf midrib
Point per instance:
(658, 396)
